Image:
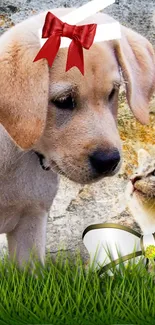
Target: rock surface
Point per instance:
(75, 206)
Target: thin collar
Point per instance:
(41, 160)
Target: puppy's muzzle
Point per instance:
(104, 162)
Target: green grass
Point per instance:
(64, 293)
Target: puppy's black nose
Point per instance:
(104, 162)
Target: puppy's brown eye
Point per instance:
(111, 95)
(64, 103)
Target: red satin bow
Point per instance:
(54, 29)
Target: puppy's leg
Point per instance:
(27, 241)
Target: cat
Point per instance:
(140, 193)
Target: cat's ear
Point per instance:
(143, 156)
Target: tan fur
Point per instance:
(66, 138)
(135, 56)
(24, 114)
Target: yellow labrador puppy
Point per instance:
(64, 121)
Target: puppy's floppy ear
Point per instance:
(136, 58)
(23, 88)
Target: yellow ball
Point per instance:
(150, 252)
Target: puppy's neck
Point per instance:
(10, 153)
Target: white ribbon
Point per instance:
(108, 243)
(104, 32)
(86, 11)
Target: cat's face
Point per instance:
(140, 191)
(143, 181)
